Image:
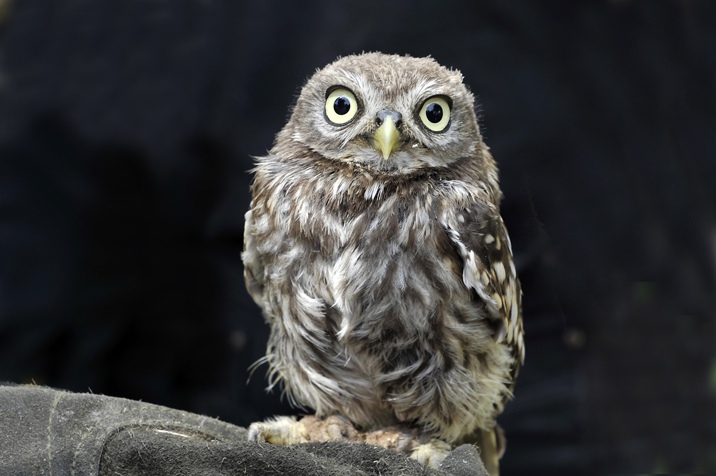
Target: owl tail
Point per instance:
(492, 444)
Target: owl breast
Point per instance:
(369, 314)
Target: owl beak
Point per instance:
(387, 137)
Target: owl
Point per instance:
(375, 247)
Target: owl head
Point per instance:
(396, 114)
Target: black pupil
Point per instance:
(434, 112)
(342, 105)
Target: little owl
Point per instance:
(375, 248)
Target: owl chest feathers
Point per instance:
(374, 253)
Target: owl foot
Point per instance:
(421, 447)
(332, 428)
(278, 431)
(432, 453)
(286, 430)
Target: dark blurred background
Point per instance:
(127, 129)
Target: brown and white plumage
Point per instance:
(378, 254)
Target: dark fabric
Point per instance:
(127, 129)
(51, 432)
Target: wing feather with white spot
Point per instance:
(481, 239)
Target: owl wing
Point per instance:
(481, 240)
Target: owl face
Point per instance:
(390, 113)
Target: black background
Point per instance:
(127, 129)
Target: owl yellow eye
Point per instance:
(341, 106)
(435, 113)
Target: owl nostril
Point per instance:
(391, 113)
